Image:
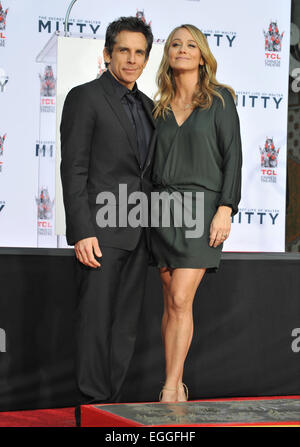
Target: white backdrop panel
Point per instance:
(235, 32)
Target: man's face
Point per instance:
(128, 58)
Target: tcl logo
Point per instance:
(44, 224)
(48, 101)
(268, 172)
(274, 56)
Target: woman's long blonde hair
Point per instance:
(203, 96)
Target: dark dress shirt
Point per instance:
(137, 115)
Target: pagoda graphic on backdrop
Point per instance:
(3, 14)
(48, 82)
(273, 39)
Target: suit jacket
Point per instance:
(98, 152)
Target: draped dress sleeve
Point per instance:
(229, 141)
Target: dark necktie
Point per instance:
(141, 141)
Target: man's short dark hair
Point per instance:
(127, 24)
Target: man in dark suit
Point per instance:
(107, 139)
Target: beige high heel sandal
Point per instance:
(186, 390)
(167, 389)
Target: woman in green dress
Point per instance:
(198, 151)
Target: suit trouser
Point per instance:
(109, 307)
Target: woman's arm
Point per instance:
(229, 141)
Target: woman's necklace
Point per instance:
(185, 107)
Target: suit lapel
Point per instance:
(148, 110)
(119, 111)
(147, 107)
(150, 150)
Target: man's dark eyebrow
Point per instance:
(126, 48)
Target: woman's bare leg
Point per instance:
(165, 276)
(177, 326)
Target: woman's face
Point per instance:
(184, 53)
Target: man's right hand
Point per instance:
(85, 249)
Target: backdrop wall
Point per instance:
(250, 41)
